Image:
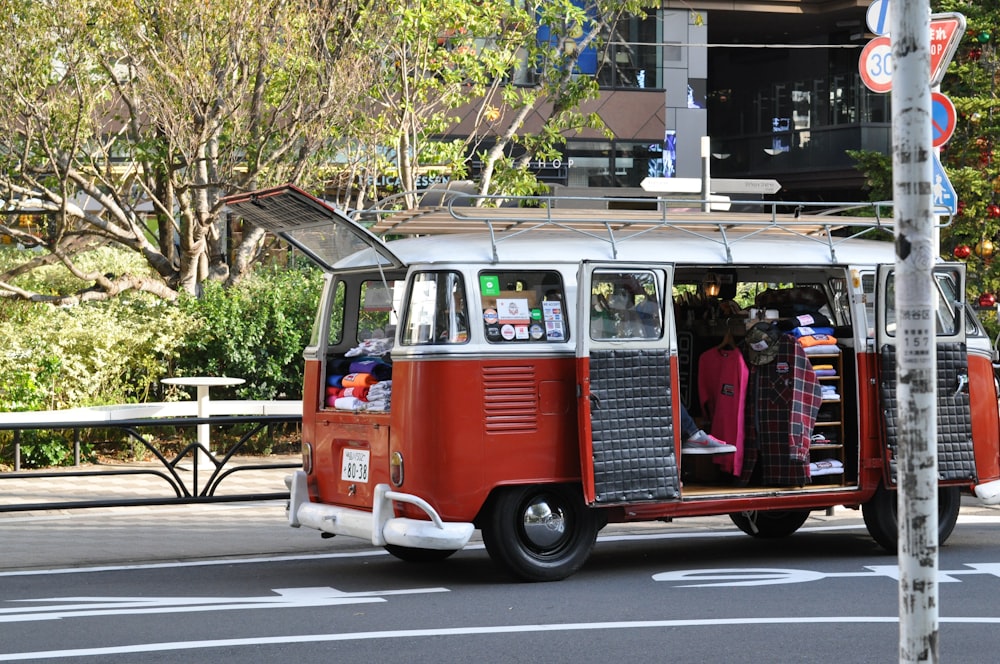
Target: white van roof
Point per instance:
(665, 245)
(570, 230)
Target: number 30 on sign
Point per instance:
(875, 65)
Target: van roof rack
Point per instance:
(617, 220)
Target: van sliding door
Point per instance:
(625, 342)
(954, 419)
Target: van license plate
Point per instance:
(354, 465)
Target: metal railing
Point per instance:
(183, 478)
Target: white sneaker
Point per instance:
(705, 443)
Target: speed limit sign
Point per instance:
(875, 65)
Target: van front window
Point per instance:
(436, 312)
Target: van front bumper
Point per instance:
(380, 525)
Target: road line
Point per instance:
(465, 631)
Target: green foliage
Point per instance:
(255, 331)
(117, 351)
(55, 279)
(877, 169)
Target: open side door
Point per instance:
(323, 233)
(956, 460)
(625, 345)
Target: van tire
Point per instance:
(770, 524)
(414, 555)
(883, 525)
(540, 532)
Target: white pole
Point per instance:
(706, 173)
(915, 308)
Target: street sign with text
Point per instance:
(946, 33)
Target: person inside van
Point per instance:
(615, 317)
(697, 440)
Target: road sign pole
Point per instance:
(916, 355)
(706, 173)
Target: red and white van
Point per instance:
(521, 372)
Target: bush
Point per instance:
(117, 351)
(255, 331)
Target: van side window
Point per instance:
(949, 310)
(377, 311)
(335, 326)
(436, 312)
(625, 305)
(522, 306)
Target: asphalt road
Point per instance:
(232, 583)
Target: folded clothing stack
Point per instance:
(826, 467)
(816, 340)
(365, 384)
(829, 392)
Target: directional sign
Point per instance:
(717, 186)
(946, 33)
(878, 17)
(747, 186)
(942, 119)
(944, 195)
(875, 65)
(671, 185)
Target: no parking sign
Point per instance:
(942, 119)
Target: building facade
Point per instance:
(774, 84)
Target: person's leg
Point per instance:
(688, 426)
(697, 440)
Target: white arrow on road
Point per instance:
(285, 598)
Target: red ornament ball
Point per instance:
(962, 251)
(993, 210)
(987, 300)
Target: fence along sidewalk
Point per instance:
(244, 478)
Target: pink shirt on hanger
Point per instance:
(722, 386)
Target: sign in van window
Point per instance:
(436, 312)
(523, 306)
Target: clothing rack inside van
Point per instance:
(617, 220)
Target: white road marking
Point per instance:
(284, 598)
(467, 631)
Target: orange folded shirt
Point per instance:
(358, 380)
(813, 340)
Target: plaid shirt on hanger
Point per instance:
(783, 399)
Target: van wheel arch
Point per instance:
(539, 532)
(881, 518)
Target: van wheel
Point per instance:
(414, 555)
(770, 524)
(881, 517)
(540, 533)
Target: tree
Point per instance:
(479, 70)
(570, 28)
(125, 122)
(971, 157)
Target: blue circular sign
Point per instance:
(942, 119)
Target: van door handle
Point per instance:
(963, 383)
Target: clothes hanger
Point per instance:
(728, 342)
